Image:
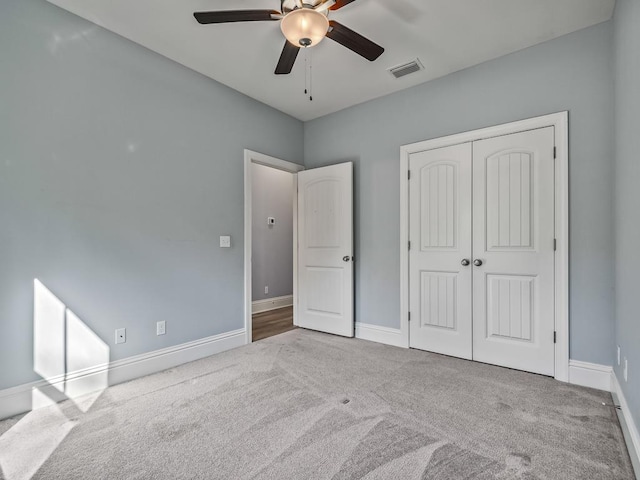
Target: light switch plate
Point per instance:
(225, 241)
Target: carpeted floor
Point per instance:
(305, 405)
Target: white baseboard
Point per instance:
(267, 304)
(20, 399)
(376, 333)
(627, 422)
(590, 375)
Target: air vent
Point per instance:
(406, 69)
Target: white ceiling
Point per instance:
(446, 35)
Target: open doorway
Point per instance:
(270, 237)
(271, 251)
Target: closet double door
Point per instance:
(481, 260)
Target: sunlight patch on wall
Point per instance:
(48, 334)
(68, 355)
(87, 360)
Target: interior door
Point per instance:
(325, 249)
(513, 249)
(440, 250)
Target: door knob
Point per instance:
(465, 262)
(346, 258)
(477, 262)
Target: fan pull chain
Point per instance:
(308, 73)
(311, 77)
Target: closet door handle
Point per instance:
(465, 262)
(477, 262)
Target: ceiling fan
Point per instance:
(303, 25)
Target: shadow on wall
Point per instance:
(72, 361)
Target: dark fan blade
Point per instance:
(287, 58)
(226, 16)
(354, 41)
(340, 3)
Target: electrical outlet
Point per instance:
(266, 289)
(121, 335)
(618, 354)
(161, 328)
(625, 369)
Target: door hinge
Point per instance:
(409, 244)
(408, 174)
(409, 315)
(555, 244)
(555, 152)
(554, 337)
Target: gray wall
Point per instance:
(627, 195)
(119, 169)
(570, 73)
(272, 245)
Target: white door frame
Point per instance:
(250, 158)
(560, 122)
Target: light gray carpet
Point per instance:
(304, 405)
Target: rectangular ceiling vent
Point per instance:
(406, 69)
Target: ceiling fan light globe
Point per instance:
(304, 27)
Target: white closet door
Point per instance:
(325, 249)
(440, 235)
(513, 251)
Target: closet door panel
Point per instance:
(513, 251)
(440, 235)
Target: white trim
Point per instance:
(627, 423)
(16, 400)
(269, 304)
(294, 199)
(261, 159)
(560, 122)
(590, 375)
(404, 242)
(376, 333)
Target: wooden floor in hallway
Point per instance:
(273, 322)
